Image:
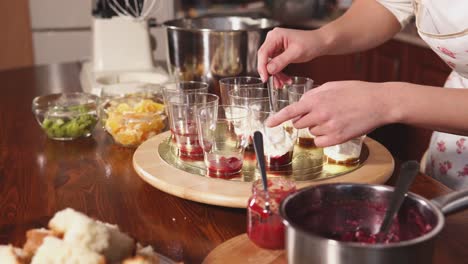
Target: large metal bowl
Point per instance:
(210, 48)
(312, 214)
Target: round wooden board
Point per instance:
(241, 250)
(151, 168)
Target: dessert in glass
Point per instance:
(279, 140)
(295, 91)
(234, 83)
(244, 97)
(223, 133)
(266, 229)
(183, 111)
(347, 153)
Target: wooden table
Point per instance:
(39, 176)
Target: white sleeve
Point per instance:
(401, 9)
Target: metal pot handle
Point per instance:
(452, 202)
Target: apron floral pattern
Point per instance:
(447, 157)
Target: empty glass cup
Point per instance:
(278, 141)
(234, 83)
(223, 132)
(279, 85)
(244, 96)
(183, 87)
(183, 111)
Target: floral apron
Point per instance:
(447, 156)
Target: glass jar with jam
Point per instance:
(265, 228)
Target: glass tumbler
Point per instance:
(279, 140)
(234, 83)
(295, 91)
(346, 153)
(183, 111)
(174, 88)
(223, 133)
(279, 84)
(266, 229)
(244, 97)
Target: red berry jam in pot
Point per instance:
(356, 221)
(266, 229)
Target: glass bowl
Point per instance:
(126, 90)
(66, 116)
(132, 119)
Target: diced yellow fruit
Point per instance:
(148, 106)
(123, 107)
(114, 123)
(127, 137)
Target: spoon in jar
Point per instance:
(258, 146)
(408, 172)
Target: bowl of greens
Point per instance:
(66, 116)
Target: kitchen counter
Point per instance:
(39, 176)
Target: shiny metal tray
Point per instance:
(307, 164)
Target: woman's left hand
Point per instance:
(338, 111)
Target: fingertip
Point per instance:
(272, 121)
(319, 141)
(324, 141)
(268, 122)
(271, 67)
(263, 77)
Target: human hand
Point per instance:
(338, 111)
(283, 46)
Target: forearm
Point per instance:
(439, 109)
(365, 25)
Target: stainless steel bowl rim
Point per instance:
(435, 230)
(168, 24)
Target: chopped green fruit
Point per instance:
(73, 127)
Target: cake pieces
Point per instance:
(12, 255)
(72, 238)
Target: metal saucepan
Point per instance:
(320, 218)
(210, 48)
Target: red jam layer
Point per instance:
(188, 145)
(225, 167)
(274, 162)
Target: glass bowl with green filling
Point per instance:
(66, 116)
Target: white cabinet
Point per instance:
(62, 29)
(60, 14)
(61, 46)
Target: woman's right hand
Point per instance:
(284, 46)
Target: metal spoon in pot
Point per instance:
(408, 172)
(258, 145)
